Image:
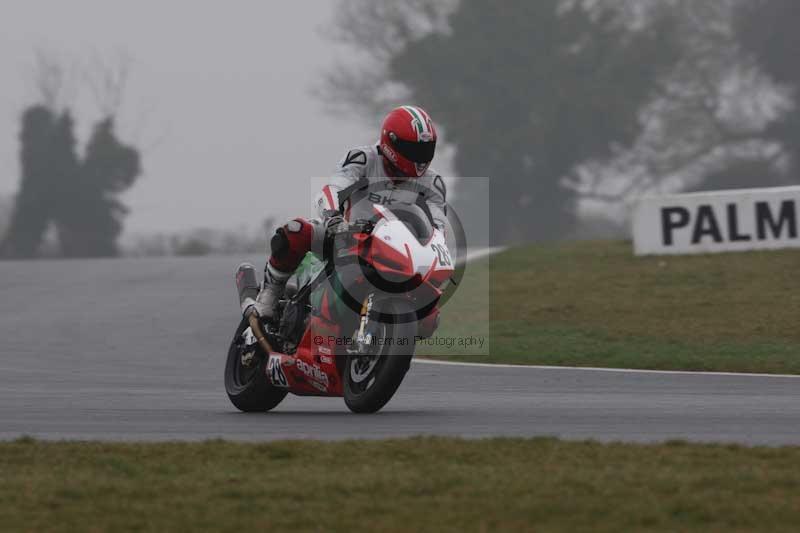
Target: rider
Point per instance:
(396, 169)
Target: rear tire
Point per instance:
(248, 388)
(394, 361)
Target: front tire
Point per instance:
(369, 392)
(248, 387)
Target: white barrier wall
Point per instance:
(719, 221)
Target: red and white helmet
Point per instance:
(408, 140)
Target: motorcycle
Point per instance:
(348, 323)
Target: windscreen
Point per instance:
(416, 219)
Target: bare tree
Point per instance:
(373, 32)
(107, 78)
(709, 114)
(54, 79)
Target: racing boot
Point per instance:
(264, 303)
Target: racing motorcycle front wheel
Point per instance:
(246, 380)
(373, 375)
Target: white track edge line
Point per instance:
(599, 369)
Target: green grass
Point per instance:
(397, 485)
(595, 304)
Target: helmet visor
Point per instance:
(418, 152)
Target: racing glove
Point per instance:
(334, 223)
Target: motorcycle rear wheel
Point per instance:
(248, 388)
(371, 392)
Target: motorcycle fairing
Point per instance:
(316, 366)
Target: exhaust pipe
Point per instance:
(247, 286)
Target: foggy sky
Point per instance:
(219, 101)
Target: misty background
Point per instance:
(190, 128)
(217, 102)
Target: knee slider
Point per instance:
(290, 244)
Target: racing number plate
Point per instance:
(275, 372)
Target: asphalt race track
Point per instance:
(134, 349)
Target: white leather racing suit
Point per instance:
(361, 180)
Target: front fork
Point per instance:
(363, 338)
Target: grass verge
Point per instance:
(429, 484)
(595, 304)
